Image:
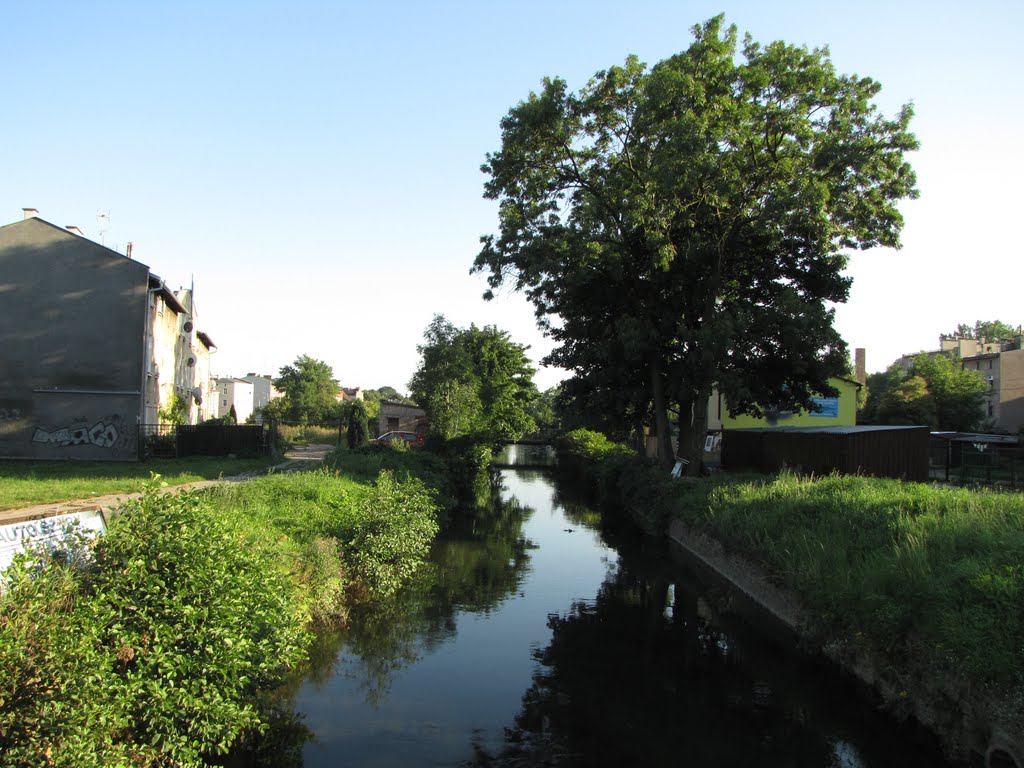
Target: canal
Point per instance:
(535, 632)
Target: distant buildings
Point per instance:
(1000, 362)
(247, 394)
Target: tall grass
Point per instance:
(308, 434)
(934, 573)
(928, 578)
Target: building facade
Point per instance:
(263, 389)
(400, 417)
(235, 393)
(839, 411)
(91, 343)
(1003, 371)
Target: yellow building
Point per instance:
(834, 411)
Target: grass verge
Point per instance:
(26, 483)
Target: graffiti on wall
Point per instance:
(53, 532)
(102, 434)
(10, 414)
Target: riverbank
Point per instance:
(197, 603)
(913, 589)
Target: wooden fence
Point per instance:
(900, 452)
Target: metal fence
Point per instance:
(996, 465)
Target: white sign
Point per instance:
(16, 536)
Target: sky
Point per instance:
(313, 168)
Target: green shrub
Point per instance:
(394, 528)
(615, 474)
(156, 653)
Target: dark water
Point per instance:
(534, 630)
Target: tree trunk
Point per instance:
(695, 430)
(666, 457)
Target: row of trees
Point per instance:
(983, 329)
(685, 225)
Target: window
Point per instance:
(392, 423)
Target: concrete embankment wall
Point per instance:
(973, 729)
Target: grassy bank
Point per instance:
(25, 483)
(926, 580)
(161, 642)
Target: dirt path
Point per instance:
(299, 458)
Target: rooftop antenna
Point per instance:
(102, 223)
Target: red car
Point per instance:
(412, 439)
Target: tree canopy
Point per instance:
(683, 226)
(473, 381)
(935, 391)
(310, 391)
(983, 329)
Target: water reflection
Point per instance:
(651, 674)
(538, 637)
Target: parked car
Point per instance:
(412, 439)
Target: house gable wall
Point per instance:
(72, 333)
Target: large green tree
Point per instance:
(684, 226)
(310, 391)
(474, 381)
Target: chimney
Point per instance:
(129, 250)
(74, 230)
(860, 366)
(29, 213)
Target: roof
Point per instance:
(830, 430)
(37, 220)
(204, 337)
(155, 283)
(977, 437)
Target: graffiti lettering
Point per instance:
(66, 532)
(10, 414)
(103, 435)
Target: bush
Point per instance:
(394, 528)
(616, 474)
(156, 653)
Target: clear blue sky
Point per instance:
(314, 166)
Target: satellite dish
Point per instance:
(190, 361)
(188, 326)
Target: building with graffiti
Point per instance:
(92, 344)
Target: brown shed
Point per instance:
(881, 451)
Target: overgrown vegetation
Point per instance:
(927, 579)
(308, 434)
(155, 653)
(160, 643)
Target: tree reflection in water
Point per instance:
(478, 561)
(650, 674)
